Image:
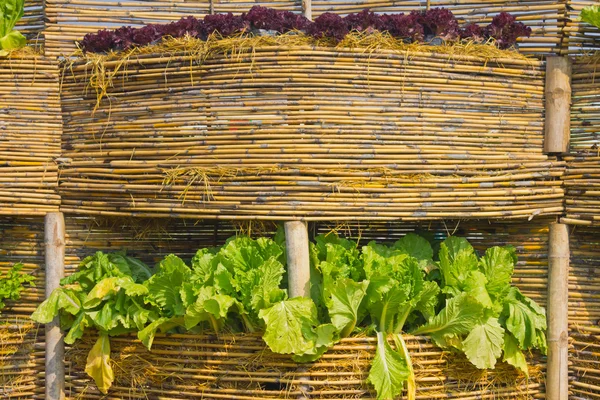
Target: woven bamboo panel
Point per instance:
(585, 108)
(584, 312)
(30, 131)
(239, 367)
(545, 17)
(310, 133)
(584, 278)
(584, 357)
(582, 187)
(32, 23)
(21, 341)
(580, 37)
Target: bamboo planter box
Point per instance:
(296, 132)
(30, 131)
(70, 21)
(242, 367)
(21, 341)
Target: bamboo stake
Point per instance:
(558, 105)
(557, 383)
(307, 8)
(296, 240)
(55, 255)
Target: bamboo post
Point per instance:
(298, 260)
(557, 382)
(558, 104)
(54, 241)
(307, 8)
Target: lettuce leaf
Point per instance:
(484, 343)
(345, 303)
(98, 364)
(388, 371)
(289, 326)
(591, 15)
(164, 287)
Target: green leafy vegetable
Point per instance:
(389, 370)
(11, 11)
(98, 364)
(463, 302)
(591, 15)
(484, 316)
(13, 283)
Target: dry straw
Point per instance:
(284, 128)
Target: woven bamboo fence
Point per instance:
(21, 341)
(582, 176)
(239, 366)
(294, 132)
(30, 131)
(584, 312)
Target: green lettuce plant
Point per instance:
(11, 11)
(591, 15)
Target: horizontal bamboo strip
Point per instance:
(287, 132)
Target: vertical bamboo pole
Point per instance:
(557, 379)
(558, 104)
(54, 241)
(307, 8)
(298, 260)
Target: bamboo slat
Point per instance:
(238, 367)
(30, 131)
(21, 341)
(314, 133)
